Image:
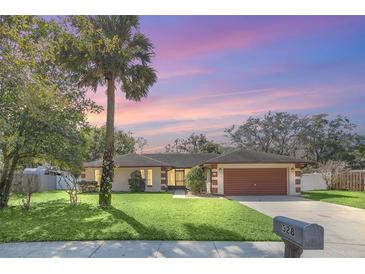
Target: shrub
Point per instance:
(331, 170)
(30, 185)
(88, 186)
(195, 180)
(71, 187)
(136, 182)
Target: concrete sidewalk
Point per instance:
(149, 249)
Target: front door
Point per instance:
(179, 177)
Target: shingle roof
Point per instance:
(130, 160)
(182, 160)
(249, 156)
(187, 160)
(97, 163)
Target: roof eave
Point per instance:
(270, 162)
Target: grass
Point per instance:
(341, 197)
(143, 216)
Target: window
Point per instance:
(179, 177)
(143, 174)
(171, 177)
(147, 176)
(97, 175)
(176, 177)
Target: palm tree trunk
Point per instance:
(107, 176)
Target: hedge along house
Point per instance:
(241, 172)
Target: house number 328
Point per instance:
(288, 229)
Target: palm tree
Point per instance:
(109, 50)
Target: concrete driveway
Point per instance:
(344, 227)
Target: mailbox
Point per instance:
(298, 235)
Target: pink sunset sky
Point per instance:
(215, 71)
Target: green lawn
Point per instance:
(154, 216)
(341, 197)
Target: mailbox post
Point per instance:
(298, 235)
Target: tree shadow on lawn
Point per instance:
(57, 221)
(205, 232)
(47, 221)
(143, 231)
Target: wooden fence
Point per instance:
(354, 181)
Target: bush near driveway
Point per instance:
(195, 180)
(341, 197)
(133, 216)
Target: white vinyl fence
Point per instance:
(47, 182)
(313, 181)
(44, 182)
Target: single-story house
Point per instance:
(241, 172)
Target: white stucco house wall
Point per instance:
(242, 172)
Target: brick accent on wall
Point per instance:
(214, 179)
(163, 179)
(298, 174)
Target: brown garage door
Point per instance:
(255, 181)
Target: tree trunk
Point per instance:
(3, 182)
(6, 181)
(107, 176)
(4, 174)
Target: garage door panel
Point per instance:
(255, 181)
